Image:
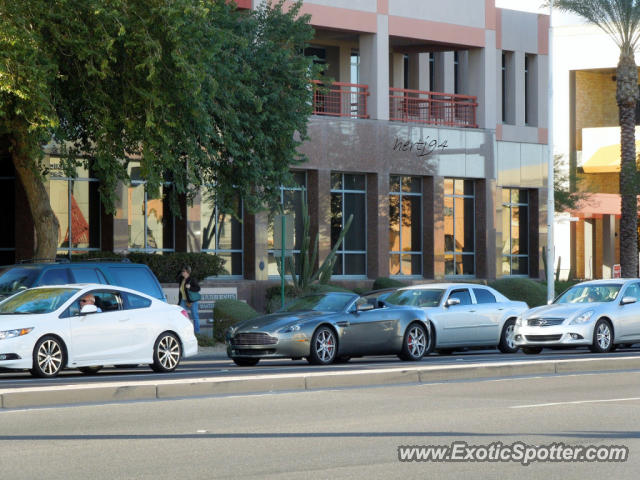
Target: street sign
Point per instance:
(617, 271)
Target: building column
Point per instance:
(444, 75)
(598, 234)
(374, 68)
(345, 65)
(121, 219)
(419, 71)
(481, 83)
(396, 72)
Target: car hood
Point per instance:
(561, 310)
(14, 321)
(278, 320)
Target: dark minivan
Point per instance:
(123, 274)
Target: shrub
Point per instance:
(167, 266)
(386, 282)
(227, 312)
(522, 289)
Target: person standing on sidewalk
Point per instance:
(186, 299)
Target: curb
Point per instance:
(201, 387)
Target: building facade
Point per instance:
(430, 128)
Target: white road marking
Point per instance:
(577, 402)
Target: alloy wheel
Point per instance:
(49, 357)
(168, 352)
(416, 341)
(603, 335)
(325, 345)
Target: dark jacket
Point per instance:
(194, 286)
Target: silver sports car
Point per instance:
(464, 314)
(330, 326)
(599, 314)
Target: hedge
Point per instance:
(386, 282)
(227, 312)
(168, 265)
(522, 289)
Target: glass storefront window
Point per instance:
(348, 196)
(515, 231)
(459, 227)
(291, 199)
(221, 233)
(405, 225)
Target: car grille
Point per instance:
(542, 338)
(253, 352)
(544, 322)
(253, 339)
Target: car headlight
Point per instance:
(18, 332)
(519, 321)
(290, 329)
(582, 318)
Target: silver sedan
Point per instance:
(464, 315)
(598, 314)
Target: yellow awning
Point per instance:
(606, 159)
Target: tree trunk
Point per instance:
(45, 222)
(626, 97)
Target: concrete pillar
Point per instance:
(419, 71)
(345, 65)
(444, 77)
(374, 68)
(481, 73)
(396, 74)
(608, 245)
(597, 247)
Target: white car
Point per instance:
(46, 329)
(464, 314)
(598, 314)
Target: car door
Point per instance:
(488, 313)
(105, 336)
(627, 317)
(368, 332)
(456, 322)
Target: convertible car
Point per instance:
(329, 327)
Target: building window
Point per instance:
(291, 199)
(527, 90)
(456, 72)
(508, 86)
(405, 225)
(459, 227)
(504, 87)
(150, 222)
(348, 196)
(221, 233)
(515, 231)
(76, 204)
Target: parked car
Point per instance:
(332, 326)
(598, 314)
(47, 329)
(14, 278)
(464, 315)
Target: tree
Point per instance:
(564, 198)
(620, 19)
(199, 93)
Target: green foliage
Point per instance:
(522, 289)
(152, 83)
(563, 180)
(302, 269)
(167, 266)
(227, 312)
(386, 282)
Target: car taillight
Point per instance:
(184, 312)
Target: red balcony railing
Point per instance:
(340, 99)
(432, 108)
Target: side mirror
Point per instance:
(452, 301)
(628, 300)
(88, 309)
(364, 307)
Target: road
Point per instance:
(330, 434)
(215, 366)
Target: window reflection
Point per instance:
(459, 227)
(348, 197)
(221, 232)
(515, 231)
(405, 225)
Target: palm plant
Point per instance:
(620, 20)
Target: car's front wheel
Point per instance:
(245, 362)
(49, 357)
(324, 347)
(167, 353)
(507, 339)
(415, 343)
(602, 337)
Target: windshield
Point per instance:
(416, 297)
(19, 278)
(320, 303)
(589, 294)
(37, 300)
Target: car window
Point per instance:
(36, 300)
(87, 275)
(132, 301)
(484, 296)
(633, 291)
(55, 276)
(463, 295)
(107, 301)
(136, 278)
(19, 278)
(416, 297)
